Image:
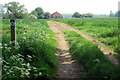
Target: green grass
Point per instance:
(34, 55)
(103, 29)
(93, 60)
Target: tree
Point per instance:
(41, 16)
(40, 13)
(34, 13)
(47, 15)
(111, 14)
(76, 15)
(1, 11)
(117, 14)
(32, 16)
(89, 14)
(15, 10)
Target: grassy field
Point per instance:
(94, 61)
(34, 54)
(103, 29)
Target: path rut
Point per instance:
(105, 49)
(69, 68)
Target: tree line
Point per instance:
(78, 15)
(117, 14)
(14, 10)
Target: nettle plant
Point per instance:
(14, 65)
(33, 55)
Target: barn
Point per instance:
(56, 15)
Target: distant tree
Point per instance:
(40, 13)
(89, 14)
(76, 15)
(15, 10)
(34, 13)
(67, 16)
(47, 15)
(32, 16)
(111, 14)
(1, 11)
(83, 15)
(39, 10)
(118, 14)
(41, 16)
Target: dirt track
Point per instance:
(68, 67)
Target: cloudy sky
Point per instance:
(70, 6)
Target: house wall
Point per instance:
(57, 17)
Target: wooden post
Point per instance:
(13, 32)
(118, 25)
(119, 31)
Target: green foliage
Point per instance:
(103, 29)
(47, 15)
(87, 15)
(41, 16)
(76, 15)
(93, 60)
(111, 14)
(67, 16)
(34, 13)
(118, 14)
(40, 12)
(15, 67)
(15, 10)
(34, 54)
(104, 71)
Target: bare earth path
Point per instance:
(68, 67)
(105, 49)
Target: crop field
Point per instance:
(34, 54)
(103, 29)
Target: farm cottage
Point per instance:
(56, 15)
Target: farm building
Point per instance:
(56, 15)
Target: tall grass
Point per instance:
(103, 29)
(93, 60)
(34, 54)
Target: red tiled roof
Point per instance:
(56, 14)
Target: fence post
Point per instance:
(13, 32)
